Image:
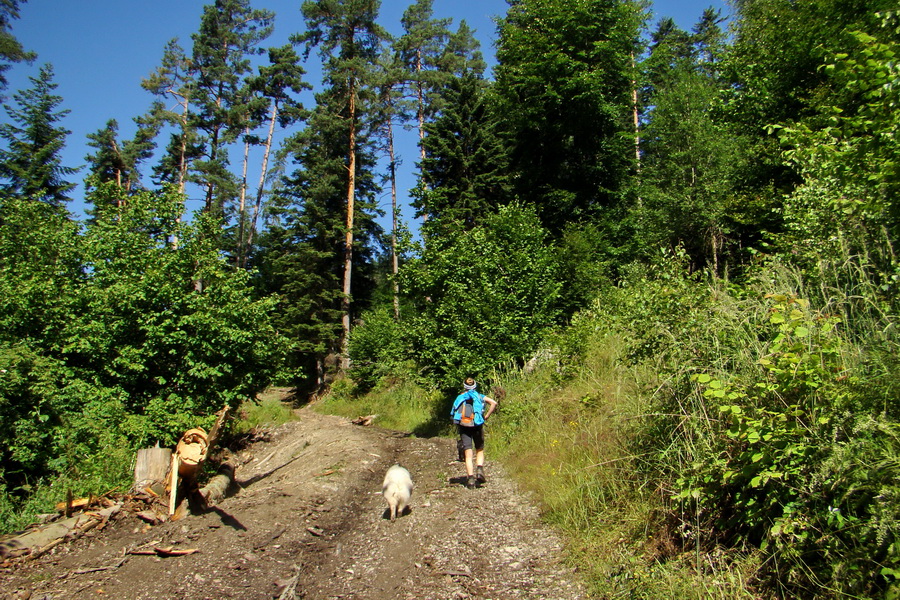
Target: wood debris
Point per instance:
(364, 421)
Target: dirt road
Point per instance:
(309, 522)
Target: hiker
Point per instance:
(468, 413)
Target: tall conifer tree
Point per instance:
(349, 41)
(230, 33)
(465, 168)
(31, 164)
(564, 83)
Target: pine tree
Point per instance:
(31, 164)
(303, 248)
(118, 162)
(392, 109)
(175, 79)
(230, 33)
(277, 85)
(349, 41)
(421, 48)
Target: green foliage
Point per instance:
(169, 325)
(777, 470)
(563, 86)
(128, 334)
(464, 169)
(378, 348)
(481, 297)
(848, 157)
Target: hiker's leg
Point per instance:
(465, 436)
(478, 442)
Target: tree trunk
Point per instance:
(394, 261)
(257, 207)
(348, 237)
(150, 469)
(242, 202)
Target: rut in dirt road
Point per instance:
(309, 522)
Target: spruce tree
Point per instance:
(31, 165)
(465, 168)
(564, 84)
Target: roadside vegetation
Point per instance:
(671, 254)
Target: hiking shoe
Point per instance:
(470, 482)
(479, 475)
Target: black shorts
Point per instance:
(470, 435)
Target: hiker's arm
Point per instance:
(492, 404)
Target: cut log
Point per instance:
(364, 421)
(151, 467)
(217, 489)
(191, 452)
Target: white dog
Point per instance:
(397, 489)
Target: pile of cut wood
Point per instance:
(165, 487)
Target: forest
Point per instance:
(672, 251)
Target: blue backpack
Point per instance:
(465, 413)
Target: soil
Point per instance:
(308, 521)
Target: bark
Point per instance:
(257, 207)
(36, 542)
(218, 487)
(394, 261)
(242, 202)
(150, 469)
(348, 238)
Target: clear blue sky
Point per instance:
(102, 49)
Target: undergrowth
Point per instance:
(700, 440)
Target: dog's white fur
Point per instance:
(397, 490)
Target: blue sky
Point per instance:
(102, 49)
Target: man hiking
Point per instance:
(468, 413)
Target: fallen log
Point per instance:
(217, 488)
(39, 541)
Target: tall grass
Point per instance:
(664, 495)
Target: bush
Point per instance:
(481, 297)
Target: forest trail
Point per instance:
(309, 522)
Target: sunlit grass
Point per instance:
(272, 408)
(398, 404)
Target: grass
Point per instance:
(399, 404)
(271, 408)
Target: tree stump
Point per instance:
(151, 467)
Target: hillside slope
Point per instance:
(309, 522)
